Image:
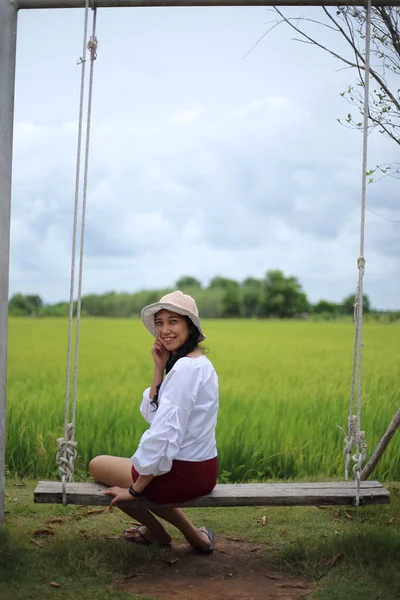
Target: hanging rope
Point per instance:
(67, 453)
(355, 439)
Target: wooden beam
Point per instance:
(224, 495)
(28, 4)
(8, 41)
(381, 447)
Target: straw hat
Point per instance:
(176, 302)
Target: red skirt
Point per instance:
(186, 480)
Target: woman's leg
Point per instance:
(114, 470)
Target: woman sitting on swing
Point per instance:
(177, 456)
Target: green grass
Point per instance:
(284, 389)
(298, 541)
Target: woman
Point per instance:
(177, 456)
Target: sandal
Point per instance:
(210, 536)
(136, 536)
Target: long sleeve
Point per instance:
(160, 444)
(147, 410)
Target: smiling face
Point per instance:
(172, 329)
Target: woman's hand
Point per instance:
(160, 354)
(120, 495)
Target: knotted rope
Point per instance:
(355, 439)
(67, 445)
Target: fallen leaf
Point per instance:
(282, 530)
(44, 532)
(171, 562)
(54, 584)
(95, 511)
(391, 521)
(112, 537)
(333, 560)
(56, 520)
(18, 484)
(85, 533)
(299, 586)
(40, 544)
(130, 575)
(264, 520)
(348, 516)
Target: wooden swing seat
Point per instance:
(236, 494)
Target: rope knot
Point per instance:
(92, 47)
(361, 263)
(67, 453)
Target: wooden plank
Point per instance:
(250, 494)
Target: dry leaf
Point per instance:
(282, 530)
(391, 520)
(18, 484)
(333, 560)
(54, 584)
(40, 544)
(95, 511)
(171, 562)
(348, 516)
(299, 586)
(44, 532)
(56, 520)
(264, 520)
(112, 537)
(85, 533)
(130, 575)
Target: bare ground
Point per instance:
(237, 570)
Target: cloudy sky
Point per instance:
(202, 162)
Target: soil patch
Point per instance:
(236, 570)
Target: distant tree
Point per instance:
(251, 300)
(231, 301)
(222, 282)
(323, 306)
(347, 306)
(283, 296)
(24, 305)
(187, 281)
(252, 282)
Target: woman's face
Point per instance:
(172, 329)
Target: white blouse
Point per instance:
(183, 426)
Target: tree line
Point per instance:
(274, 296)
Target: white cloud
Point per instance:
(201, 163)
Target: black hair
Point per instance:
(187, 347)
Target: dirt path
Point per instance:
(235, 571)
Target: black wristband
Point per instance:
(134, 492)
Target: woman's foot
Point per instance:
(206, 545)
(141, 535)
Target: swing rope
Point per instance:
(67, 445)
(355, 440)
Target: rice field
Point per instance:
(284, 390)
